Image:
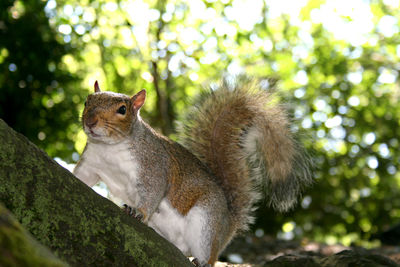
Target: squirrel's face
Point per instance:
(108, 117)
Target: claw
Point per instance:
(133, 212)
(196, 262)
(139, 217)
(129, 210)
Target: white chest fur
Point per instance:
(117, 168)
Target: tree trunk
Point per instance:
(79, 226)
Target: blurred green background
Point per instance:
(336, 63)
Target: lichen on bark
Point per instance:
(19, 248)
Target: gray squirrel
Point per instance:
(200, 194)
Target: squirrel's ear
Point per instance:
(138, 100)
(96, 87)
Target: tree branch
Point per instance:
(19, 248)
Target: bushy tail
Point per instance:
(246, 141)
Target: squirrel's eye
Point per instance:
(122, 110)
(85, 103)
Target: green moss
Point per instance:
(18, 248)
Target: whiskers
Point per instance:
(114, 130)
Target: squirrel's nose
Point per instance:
(91, 122)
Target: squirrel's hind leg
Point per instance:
(204, 238)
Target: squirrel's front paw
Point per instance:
(133, 212)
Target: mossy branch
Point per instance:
(19, 248)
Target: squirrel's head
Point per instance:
(108, 117)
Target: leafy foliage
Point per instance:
(37, 96)
(336, 63)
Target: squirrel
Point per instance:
(200, 193)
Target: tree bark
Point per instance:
(78, 225)
(19, 248)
